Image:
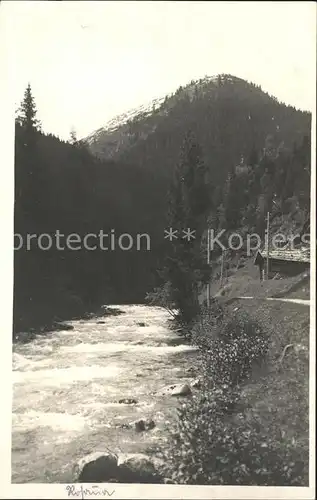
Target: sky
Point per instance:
(89, 61)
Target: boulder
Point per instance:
(128, 401)
(88, 315)
(167, 480)
(150, 424)
(137, 468)
(62, 326)
(97, 467)
(190, 371)
(139, 425)
(181, 390)
(143, 425)
(123, 426)
(196, 384)
(175, 390)
(24, 337)
(101, 322)
(141, 323)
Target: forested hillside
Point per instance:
(256, 157)
(255, 149)
(62, 186)
(229, 117)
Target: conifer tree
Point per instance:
(27, 112)
(189, 202)
(73, 137)
(30, 175)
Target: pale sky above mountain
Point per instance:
(88, 61)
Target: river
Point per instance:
(67, 384)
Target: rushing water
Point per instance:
(67, 386)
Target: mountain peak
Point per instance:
(228, 115)
(154, 104)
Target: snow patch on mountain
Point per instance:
(121, 119)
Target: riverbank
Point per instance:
(252, 430)
(60, 324)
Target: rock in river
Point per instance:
(128, 401)
(143, 425)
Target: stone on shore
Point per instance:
(101, 467)
(196, 384)
(176, 390)
(181, 390)
(137, 468)
(58, 325)
(167, 480)
(97, 467)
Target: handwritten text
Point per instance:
(84, 492)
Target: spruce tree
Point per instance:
(31, 176)
(73, 137)
(27, 180)
(27, 112)
(189, 202)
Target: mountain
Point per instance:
(229, 116)
(256, 157)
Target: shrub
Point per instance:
(162, 297)
(212, 447)
(178, 303)
(218, 439)
(230, 343)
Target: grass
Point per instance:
(280, 396)
(245, 282)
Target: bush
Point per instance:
(162, 297)
(218, 439)
(230, 344)
(178, 304)
(211, 446)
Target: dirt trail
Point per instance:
(304, 302)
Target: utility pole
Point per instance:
(208, 262)
(267, 245)
(221, 271)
